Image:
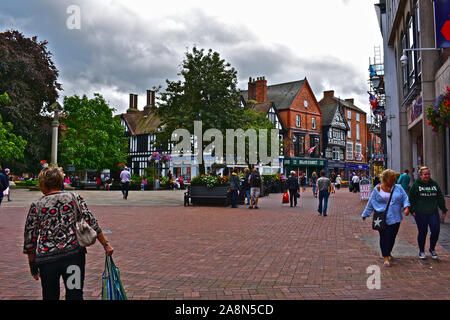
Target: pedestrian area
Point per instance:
(167, 251)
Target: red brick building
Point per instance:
(298, 111)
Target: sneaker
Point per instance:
(251, 207)
(256, 207)
(433, 254)
(422, 255)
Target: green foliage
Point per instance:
(11, 146)
(93, 138)
(207, 93)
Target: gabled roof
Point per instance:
(282, 94)
(328, 113)
(349, 105)
(141, 122)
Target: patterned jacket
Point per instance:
(50, 230)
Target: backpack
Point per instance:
(255, 180)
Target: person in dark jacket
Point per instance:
(234, 186)
(4, 184)
(426, 197)
(294, 188)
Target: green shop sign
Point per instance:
(304, 162)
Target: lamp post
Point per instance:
(56, 107)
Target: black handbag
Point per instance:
(379, 217)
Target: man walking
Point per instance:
(294, 188)
(324, 188)
(404, 180)
(125, 178)
(255, 188)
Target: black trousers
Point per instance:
(72, 270)
(292, 197)
(387, 238)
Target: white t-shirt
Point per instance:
(355, 179)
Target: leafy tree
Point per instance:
(207, 92)
(92, 138)
(29, 77)
(11, 146)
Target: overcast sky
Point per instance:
(130, 46)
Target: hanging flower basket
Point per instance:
(439, 114)
(157, 157)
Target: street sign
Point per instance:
(364, 189)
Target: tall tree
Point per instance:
(91, 137)
(29, 77)
(207, 92)
(11, 146)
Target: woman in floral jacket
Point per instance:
(50, 239)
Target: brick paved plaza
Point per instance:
(167, 251)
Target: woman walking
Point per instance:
(50, 239)
(378, 201)
(303, 182)
(426, 196)
(314, 183)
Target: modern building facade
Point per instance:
(413, 86)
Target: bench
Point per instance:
(199, 193)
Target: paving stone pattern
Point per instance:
(167, 251)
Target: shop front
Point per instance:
(358, 168)
(303, 165)
(337, 167)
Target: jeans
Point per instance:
(314, 188)
(323, 196)
(234, 196)
(292, 197)
(387, 238)
(247, 195)
(72, 270)
(424, 221)
(125, 188)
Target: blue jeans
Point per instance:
(424, 221)
(247, 195)
(323, 196)
(314, 188)
(234, 196)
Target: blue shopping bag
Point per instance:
(112, 288)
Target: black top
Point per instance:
(292, 183)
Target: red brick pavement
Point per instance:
(275, 252)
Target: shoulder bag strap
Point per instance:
(389, 202)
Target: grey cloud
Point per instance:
(117, 52)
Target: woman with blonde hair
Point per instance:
(50, 238)
(392, 197)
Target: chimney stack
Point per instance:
(257, 89)
(150, 99)
(133, 103)
(351, 101)
(328, 94)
